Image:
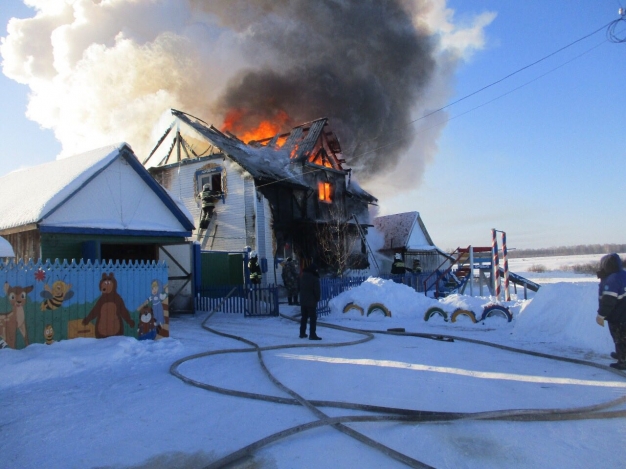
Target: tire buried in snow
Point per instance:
(435, 310)
(463, 312)
(378, 307)
(351, 306)
(498, 311)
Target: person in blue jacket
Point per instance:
(612, 304)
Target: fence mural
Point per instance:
(45, 302)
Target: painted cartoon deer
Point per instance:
(15, 320)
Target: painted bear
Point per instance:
(147, 324)
(110, 310)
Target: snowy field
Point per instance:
(113, 403)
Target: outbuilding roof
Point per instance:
(103, 189)
(404, 231)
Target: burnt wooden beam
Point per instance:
(158, 143)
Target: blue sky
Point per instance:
(545, 162)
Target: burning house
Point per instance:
(285, 195)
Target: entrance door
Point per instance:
(179, 259)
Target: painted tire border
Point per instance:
(430, 312)
(352, 305)
(463, 312)
(496, 310)
(374, 306)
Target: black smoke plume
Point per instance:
(361, 63)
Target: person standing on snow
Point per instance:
(310, 293)
(612, 304)
(255, 269)
(290, 280)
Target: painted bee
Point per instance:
(55, 296)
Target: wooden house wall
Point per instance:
(233, 217)
(249, 203)
(429, 260)
(229, 229)
(26, 244)
(243, 219)
(269, 242)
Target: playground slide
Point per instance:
(519, 280)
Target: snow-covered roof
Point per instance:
(102, 189)
(404, 231)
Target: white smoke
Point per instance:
(103, 71)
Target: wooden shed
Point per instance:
(406, 233)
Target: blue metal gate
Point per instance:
(251, 300)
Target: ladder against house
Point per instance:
(202, 236)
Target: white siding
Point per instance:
(269, 247)
(227, 231)
(250, 211)
(117, 198)
(417, 238)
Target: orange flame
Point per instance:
(237, 122)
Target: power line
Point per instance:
(611, 31)
(606, 26)
(513, 73)
(480, 105)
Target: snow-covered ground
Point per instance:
(112, 403)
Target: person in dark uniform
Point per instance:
(255, 269)
(291, 280)
(398, 267)
(612, 304)
(209, 198)
(310, 293)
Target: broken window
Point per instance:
(324, 191)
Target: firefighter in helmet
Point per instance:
(398, 267)
(209, 198)
(254, 268)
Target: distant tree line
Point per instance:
(579, 250)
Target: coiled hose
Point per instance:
(386, 414)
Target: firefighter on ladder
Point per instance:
(209, 198)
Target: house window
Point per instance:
(324, 191)
(212, 177)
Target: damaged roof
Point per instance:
(404, 231)
(263, 159)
